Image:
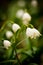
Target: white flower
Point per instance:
(7, 44)
(36, 33)
(26, 17)
(29, 32)
(32, 33)
(15, 27)
(34, 3)
(19, 13)
(9, 34)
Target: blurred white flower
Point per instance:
(15, 27)
(7, 44)
(26, 17)
(21, 3)
(32, 33)
(9, 34)
(29, 32)
(34, 3)
(19, 13)
(36, 33)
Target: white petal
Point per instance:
(15, 27)
(19, 13)
(7, 44)
(9, 34)
(32, 33)
(36, 32)
(29, 32)
(26, 17)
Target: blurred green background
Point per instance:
(8, 9)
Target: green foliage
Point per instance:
(21, 46)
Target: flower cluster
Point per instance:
(30, 32)
(26, 18)
(9, 34)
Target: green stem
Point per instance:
(12, 53)
(30, 25)
(31, 46)
(21, 42)
(17, 57)
(14, 49)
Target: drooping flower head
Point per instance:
(9, 34)
(19, 13)
(26, 17)
(7, 44)
(32, 33)
(15, 27)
